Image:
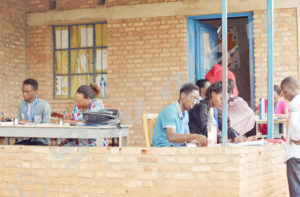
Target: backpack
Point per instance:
(102, 117)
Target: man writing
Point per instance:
(290, 90)
(170, 128)
(33, 110)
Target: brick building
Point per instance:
(146, 45)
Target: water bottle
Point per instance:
(211, 128)
(2, 117)
(103, 87)
(262, 108)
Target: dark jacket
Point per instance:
(198, 119)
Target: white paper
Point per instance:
(61, 39)
(86, 37)
(101, 59)
(207, 48)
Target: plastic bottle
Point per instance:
(211, 128)
(2, 117)
(103, 87)
(262, 108)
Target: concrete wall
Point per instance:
(229, 171)
(12, 54)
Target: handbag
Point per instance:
(102, 117)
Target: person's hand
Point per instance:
(71, 122)
(297, 142)
(201, 139)
(23, 121)
(251, 138)
(238, 139)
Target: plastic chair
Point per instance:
(148, 124)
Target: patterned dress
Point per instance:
(77, 114)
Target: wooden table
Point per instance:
(77, 132)
(279, 127)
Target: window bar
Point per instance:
(54, 78)
(87, 67)
(78, 53)
(94, 51)
(101, 43)
(69, 60)
(61, 63)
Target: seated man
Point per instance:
(33, 110)
(170, 129)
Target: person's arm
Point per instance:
(72, 120)
(19, 112)
(180, 138)
(46, 114)
(294, 126)
(231, 133)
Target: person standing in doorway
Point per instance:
(290, 90)
(215, 74)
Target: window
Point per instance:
(80, 57)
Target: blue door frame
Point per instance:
(192, 52)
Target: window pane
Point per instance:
(100, 30)
(82, 36)
(61, 87)
(101, 60)
(61, 37)
(79, 80)
(61, 62)
(82, 61)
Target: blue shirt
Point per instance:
(170, 116)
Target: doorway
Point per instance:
(204, 49)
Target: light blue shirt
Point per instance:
(170, 116)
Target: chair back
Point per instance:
(148, 123)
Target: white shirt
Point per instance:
(293, 150)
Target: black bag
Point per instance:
(102, 117)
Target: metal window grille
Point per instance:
(79, 57)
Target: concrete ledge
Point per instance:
(179, 8)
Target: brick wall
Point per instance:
(39, 59)
(230, 171)
(12, 54)
(285, 48)
(37, 6)
(74, 4)
(147, 61)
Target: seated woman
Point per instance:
(199, 114)
(281, 108)
(85, 101)
(240, 114)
